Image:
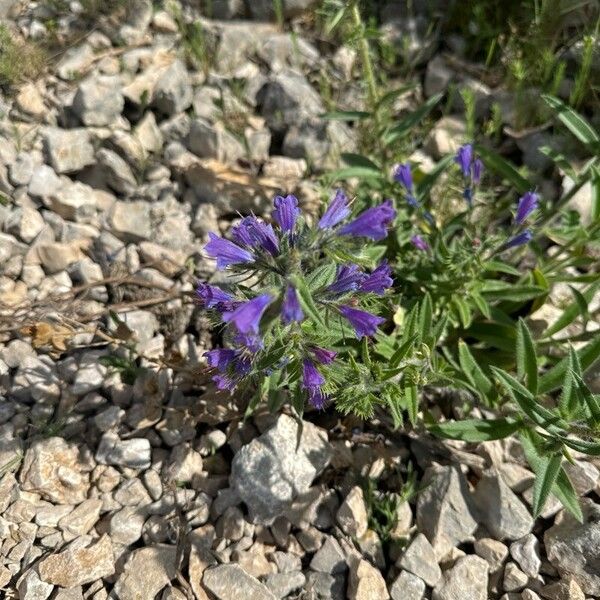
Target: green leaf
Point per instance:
(545, 478)
(306, 300)
(591, 401)
(473, 371)
(481, 304)
(400, 353)
(395, 403)
(345, 115)
(463, 309)
(411, 395)
(586, 356)
(595, 193)
(358, 160)
(497, 266)
(409, 121)
(358, 172)
(500, 290)
(573, 121)
(566, 494)
(475, 430)
(573, 310)
(526, 357)
(539, 414)
(562, 489)
(425, 316)
(321, 277)
(495, 162)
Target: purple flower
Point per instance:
(379, 280)
(336, 211)
(251, 341)
(372, 223)
(364, 323)
(520, 239)
(286, 212)
(224, 382)
(464, 158)
(419, 243)
(291, 310)
(317, 398)
(220, 358)
(476, 171)
(226, 252)
(323, 355)
(310, 375)
(212, 296)
(403, 175)
(527, 204)
(246, 317)
(256, 234)
(348, 279)
(312, 381)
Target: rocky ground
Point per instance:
(122, 475)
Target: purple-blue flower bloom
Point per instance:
(464, 158)
(256, 234)
(291, 310)
(226, 252)
(379, 280)
(419, 243)
(372, 223)
(312, 381)
(527, 204)
(212, 296)
(251, 341)
(348, 279)
(336, 212)
(403, 175)
(220, 358)
(522, 238)
(323, 355)
(224, 382)
(364, 323)
(476, 171)
(246, 317)
(286, 212)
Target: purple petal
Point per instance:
(212, 296)
(220, 358)
(310, 375)
(226, 252)
(364, 323)
(476, 171)
(336, 212)
(403, 175)
(224, 382)
(519, 240)
(348, 279)
(256, 234)
(372, 223)
(419, 243)
(464, 158)
(291, 310)
(286, 212)
(323, 355)
(316, 398)
(246, 317)
(527, 204)
(379, 280)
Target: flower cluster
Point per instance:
(284, 259)
(527, 204)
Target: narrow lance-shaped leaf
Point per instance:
(546, 475)
(573, 310)
(526, 357)
(587, 356)
(574, 122)
(475, 430)
(472, 370)
(306, 300)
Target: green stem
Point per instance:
(365, 56)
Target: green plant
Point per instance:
(19, 59)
